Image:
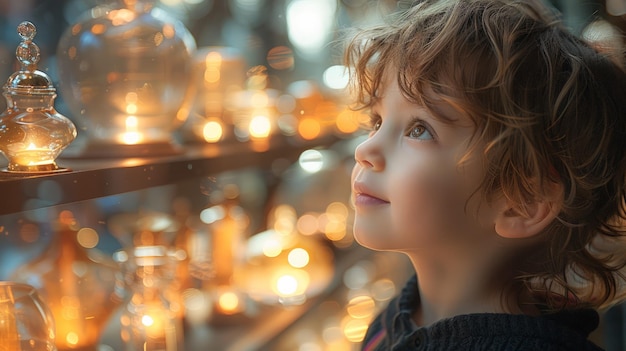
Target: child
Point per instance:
(496, 162)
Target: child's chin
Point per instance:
(375, 244)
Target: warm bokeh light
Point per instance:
(260, 126)
(284, 219)
(307, 224)
(87, 238)
(158, 38)
(361, 307)
(66, 217)
(229, 302)
(349, 121)
(71, 338)
(286, 285)
(212, 131)
(29, 232)
(147, 321)
(272, 247)
(98, 29)
(168, 30)
(338, 208)
(155, 321)
(213, 62)
(131, 109)
(298, 258)
(309, 128)
(333, 223)
(197, 305)
(259, 99)
(118, 18)
(355, 329)
(383, 290)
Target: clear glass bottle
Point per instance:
(126, 74)
(151, 319)
(32, 132)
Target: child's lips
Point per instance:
(362, 199)
(363, 196)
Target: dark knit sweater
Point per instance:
(393, 329)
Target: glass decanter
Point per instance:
(32, 132)
(126, 75)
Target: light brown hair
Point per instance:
(547, 107)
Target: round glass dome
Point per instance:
(126, 74)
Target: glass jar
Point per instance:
(32, 132)
(126, 73)
(151, 319)
(220, 74)
(26, 324)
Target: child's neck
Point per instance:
(457, 282)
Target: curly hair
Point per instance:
(547, 108)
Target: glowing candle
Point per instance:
(132, 135)
(33, 156)
(225, 238)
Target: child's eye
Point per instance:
(419, 131)
(375, 123)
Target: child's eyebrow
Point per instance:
(444, 113)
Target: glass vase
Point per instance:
(126, 74)
(77, 285)
(26, 323)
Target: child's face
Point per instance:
(409, 190)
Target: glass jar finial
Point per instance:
(27, 52)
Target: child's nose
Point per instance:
(369, 155)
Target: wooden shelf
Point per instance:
(92, 178)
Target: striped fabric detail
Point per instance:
(375, 341)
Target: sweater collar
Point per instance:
(555, 326)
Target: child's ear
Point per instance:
(514, 221)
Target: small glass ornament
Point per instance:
(126, 74)
(26, 323)
(32, 132)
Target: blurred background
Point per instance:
(253, 257)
